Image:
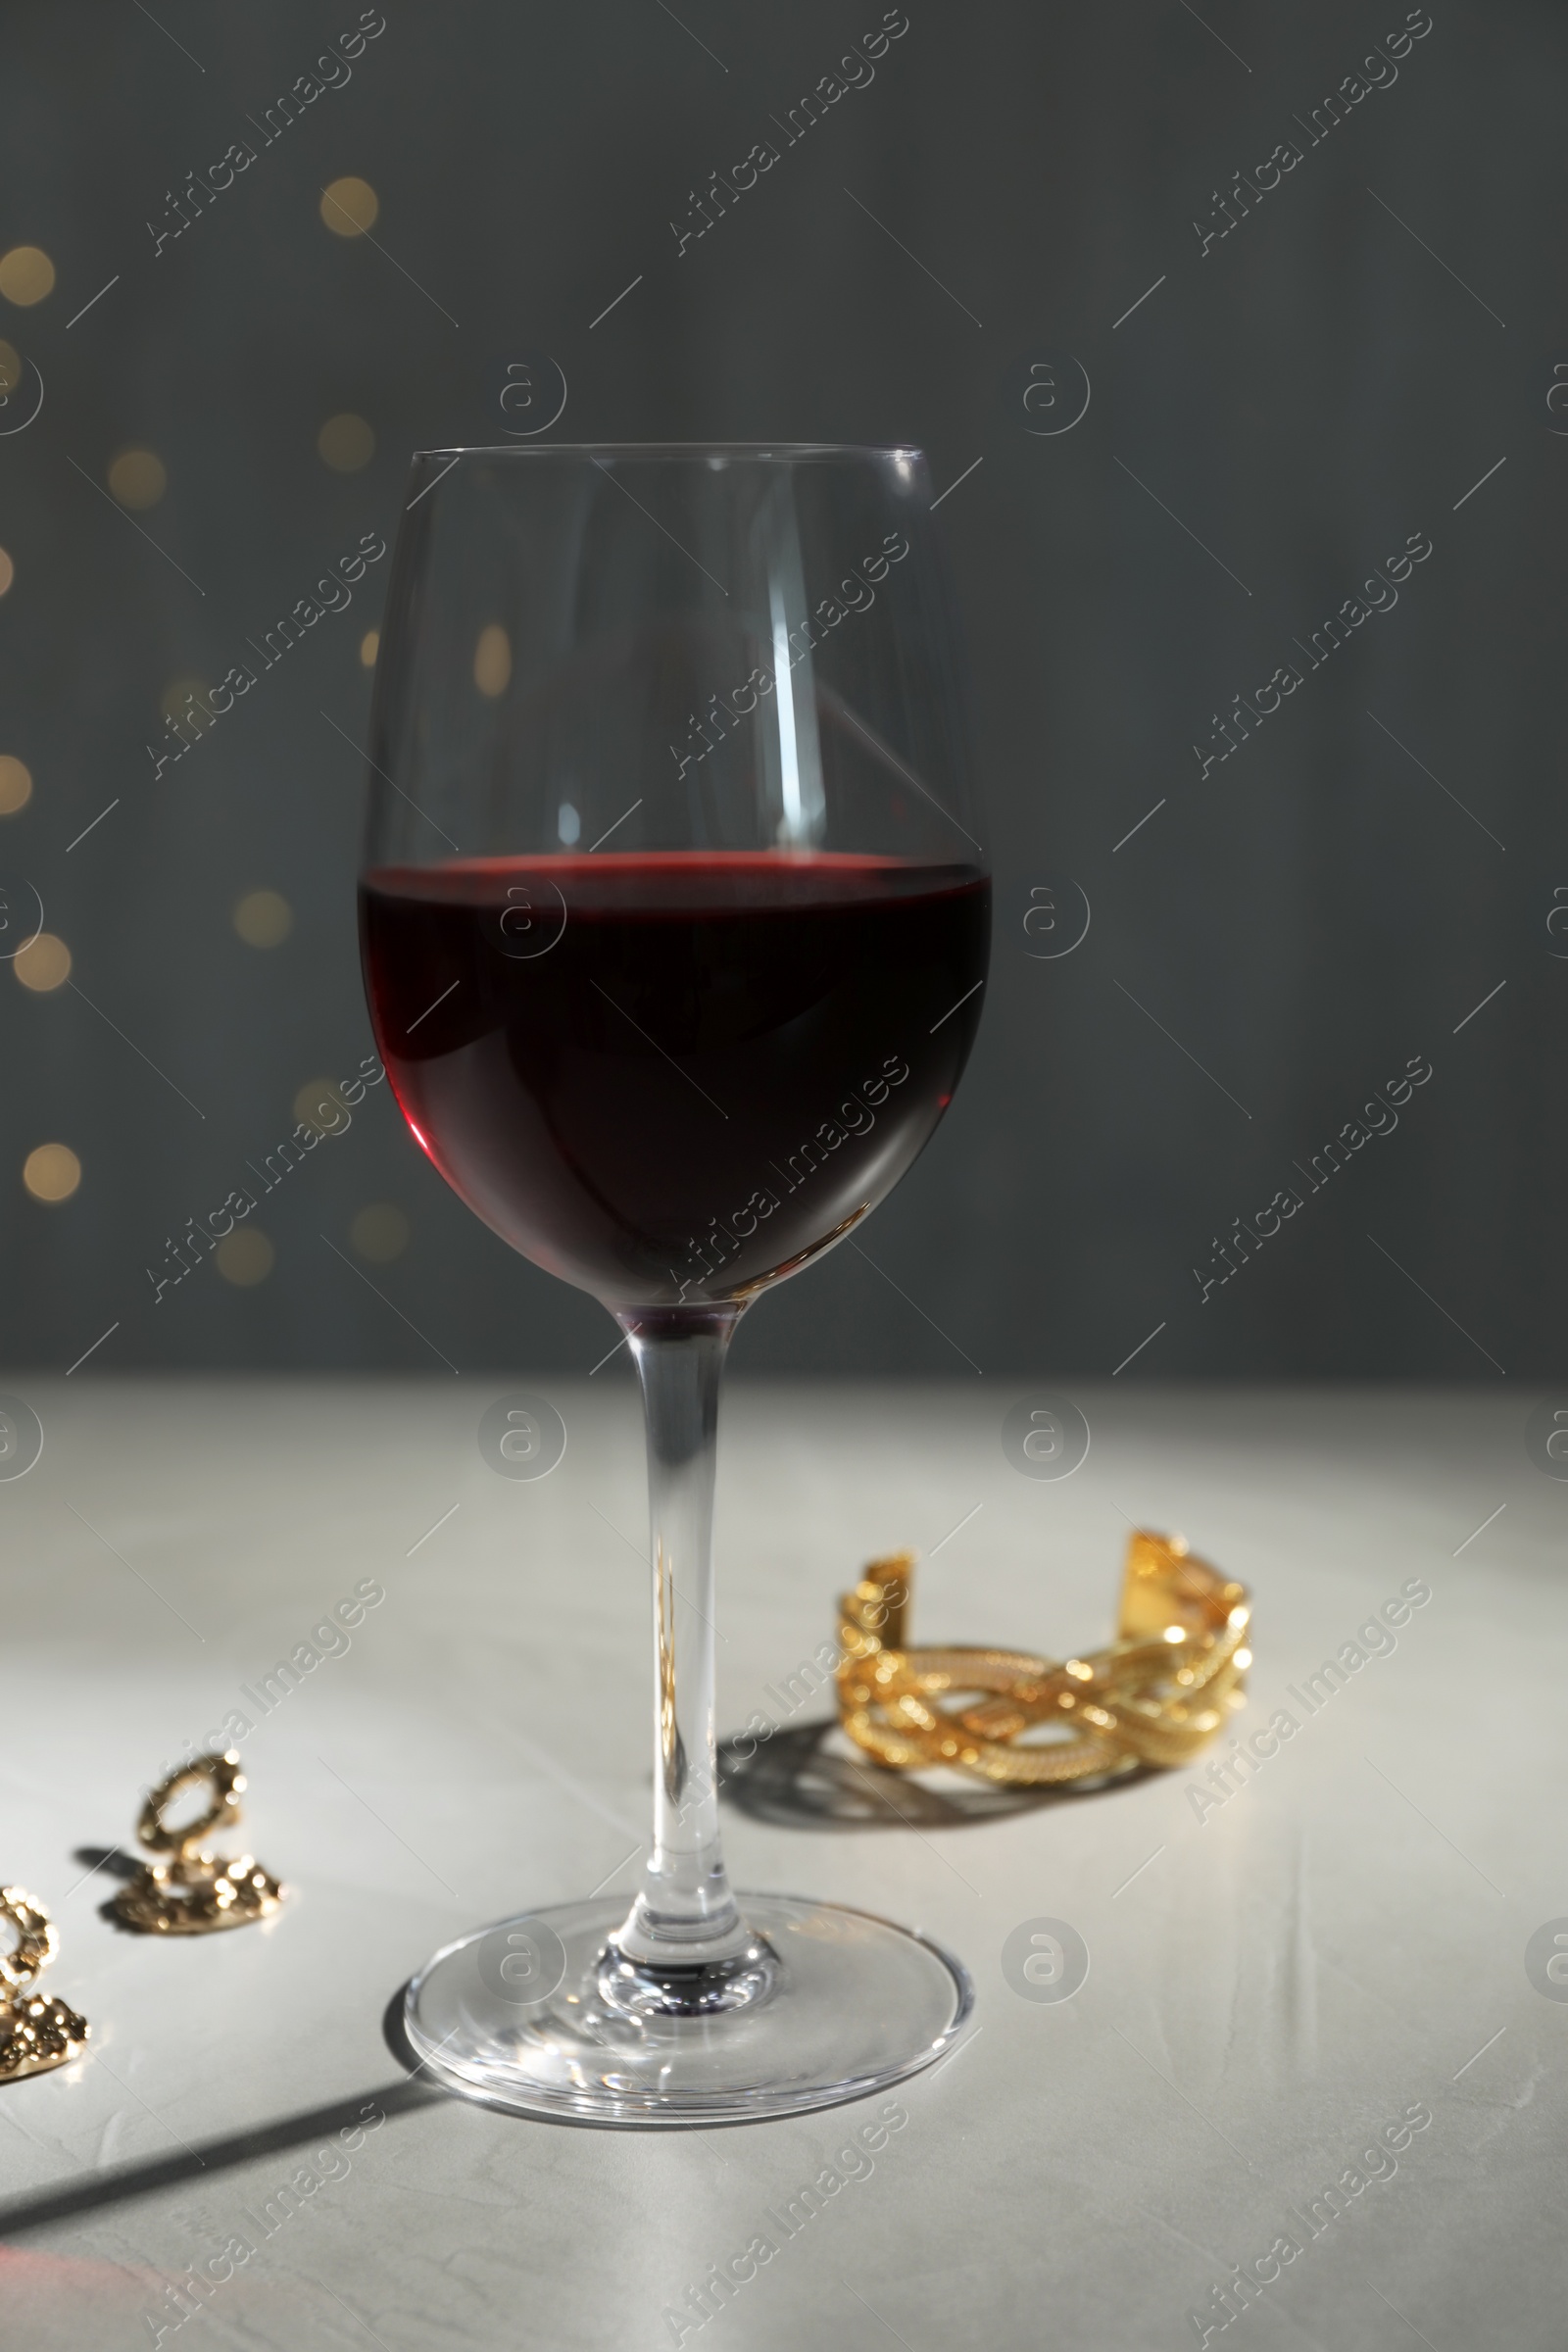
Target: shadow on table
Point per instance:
(111, 1858)
(113, 2184)
(795, 1782)
(115, 1863)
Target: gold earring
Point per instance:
(37, 2032)
(197, 1890)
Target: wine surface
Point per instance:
(671, 1077)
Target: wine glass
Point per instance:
(674, 929)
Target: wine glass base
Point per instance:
(513, 2015)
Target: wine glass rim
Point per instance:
(760, 450)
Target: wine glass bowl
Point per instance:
(674, 924)
(712, 1065)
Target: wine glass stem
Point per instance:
(685, 1915)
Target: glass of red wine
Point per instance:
(674, 927)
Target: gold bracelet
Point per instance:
(1157, 1695)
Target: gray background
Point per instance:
(1302, 397)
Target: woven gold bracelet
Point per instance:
(1157, 1695)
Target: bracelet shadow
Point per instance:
(794, 1781)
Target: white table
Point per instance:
(1270, 1985)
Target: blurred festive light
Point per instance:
(52, 1172)
(263, 918)
(8, 571)
(43, 963)
(345, 443)
(137, 478)
(178, 692)
(27, 274)
(349, 207)
(10, 367)
(244, 1257)
(492, 661)
(16, 785)
(369, 647)
(320, 1105)
(379, 1232)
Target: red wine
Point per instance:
(672, 1077)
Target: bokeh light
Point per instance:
(43, 963)
(369, 647)
(8, 571)
(27, 276)
(349, 207)
(263, 918)
(172, 701)
(492, 661)
(320, 1105)
(345, 443)
(379, 1234)
(51, 1172)
(137, 478)
(16, 785)
(244, 1257)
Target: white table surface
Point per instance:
(1331, 1945)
